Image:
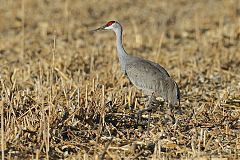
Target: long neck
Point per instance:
(122, 55)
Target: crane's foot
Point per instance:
(139, 114)
(149, 117)
(150, 105)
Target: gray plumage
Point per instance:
(151, 80)
(146, 75)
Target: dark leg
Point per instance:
(171, 114)
(148, 108)
(149, 116)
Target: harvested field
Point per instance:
(62, 94)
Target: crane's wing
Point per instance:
(145, 76)
(160, 68)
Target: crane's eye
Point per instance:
(110, 23)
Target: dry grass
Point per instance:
(63, 95)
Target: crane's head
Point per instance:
(111, 25)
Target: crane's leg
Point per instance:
(148, 108)
(149, 116)
(171, 114)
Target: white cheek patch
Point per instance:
(108, 27)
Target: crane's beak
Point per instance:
(99, 29)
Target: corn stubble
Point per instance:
(63, 95)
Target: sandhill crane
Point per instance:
(146, 75)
